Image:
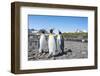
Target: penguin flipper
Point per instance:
(38, 44)
(62, 45)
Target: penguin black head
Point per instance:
(42, 31)
(60, 32)
(51, 30)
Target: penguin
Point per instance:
(42, 42)
(60, 43)
(51, 43)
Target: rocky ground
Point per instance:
(72, 50)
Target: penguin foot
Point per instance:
(54, 58)
(50, 55)
(40, 53)
(46, 52)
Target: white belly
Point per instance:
(42, 42)
(51, 45)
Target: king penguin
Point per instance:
(60, 42)
(51, 43)
(42, 42)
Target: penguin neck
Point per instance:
(51, 33)
(42, 34)
(59, 36)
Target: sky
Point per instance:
(62, 23)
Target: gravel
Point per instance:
(72, 50)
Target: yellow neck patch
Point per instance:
(50, 36)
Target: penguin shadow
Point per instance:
(65, 52)
(42, 54)
(68, 52)
(58, 54)
(45, 54)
